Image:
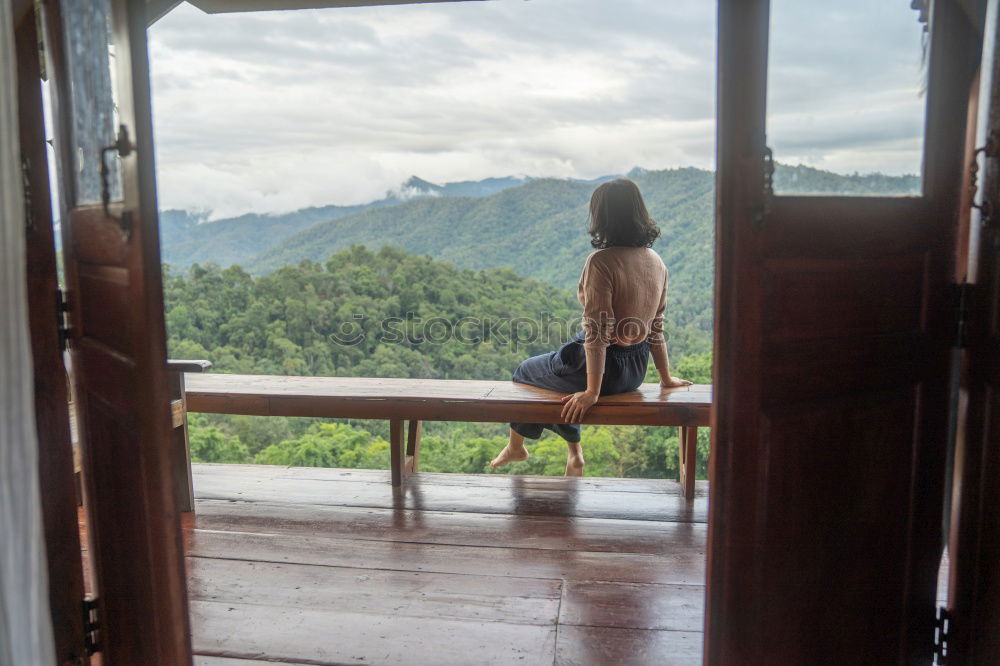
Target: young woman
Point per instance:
(623, 290)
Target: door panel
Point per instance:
(841, 298)
(118, 341)
(55, 451)
(814, 449)
(832, 341)
(104, 306)
(974, 543)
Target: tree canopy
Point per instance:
(444, 322)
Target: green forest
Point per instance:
(285, 323)
(443, 286)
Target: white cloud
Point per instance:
(275, 111)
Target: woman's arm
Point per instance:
(658, 344)
(662, 363)
(598, 327)
(575, 405)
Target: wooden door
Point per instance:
(974, 544)
(98, 64)
(832, 359)
(55, 451)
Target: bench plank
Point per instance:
(435, 400)
(418, 400)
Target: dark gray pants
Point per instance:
(565, 370)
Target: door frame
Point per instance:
(55, 450)
(973, 590)
(740, 26)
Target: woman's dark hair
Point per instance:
(618, 216)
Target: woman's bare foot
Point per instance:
(510, 454)
(513, 452)
(574, 459)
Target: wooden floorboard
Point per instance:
(632, 605)
(318, 567)
(315, 636)
(380, 592)
(660, 486)
(453, 528)
(516, 498)
(680, 569)
(208, 660)
(592, 646)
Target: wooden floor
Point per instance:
(322, 566)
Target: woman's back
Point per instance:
(623, 291)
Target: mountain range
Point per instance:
(263, 242)
(190, 238)
(535, 226)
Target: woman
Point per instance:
(623, 290)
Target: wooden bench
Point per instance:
(409, 402)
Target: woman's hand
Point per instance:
(575, 405)
(674, 382)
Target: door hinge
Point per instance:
(63, 318)
(963, 299)
(91, 625)
(943, 624)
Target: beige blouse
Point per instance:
(623, 291)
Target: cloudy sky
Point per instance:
(273, 111)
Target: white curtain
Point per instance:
(25, 624)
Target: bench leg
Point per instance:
(687, 457)
(411, 462)
(180, 449)
(396, 460)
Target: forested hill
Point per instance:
(188, 238)
(539, 230)
(365, 313)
